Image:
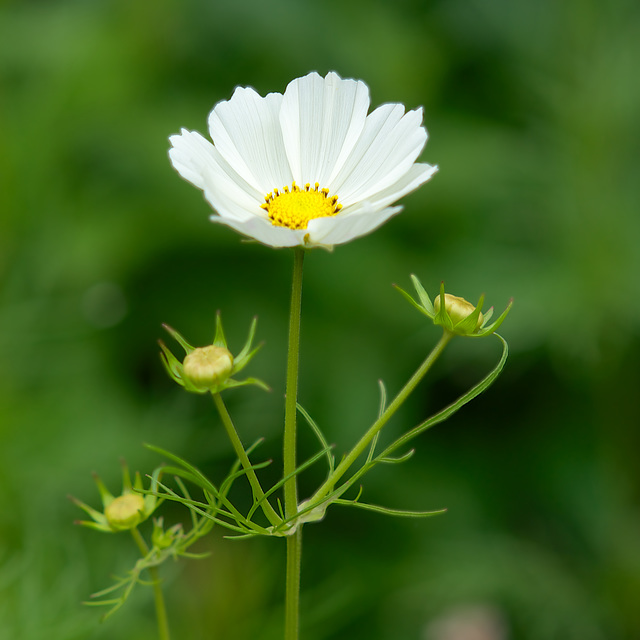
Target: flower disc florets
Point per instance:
(353, 165)
(295, 208)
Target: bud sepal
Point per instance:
(210, 368)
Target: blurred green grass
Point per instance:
(532, 112)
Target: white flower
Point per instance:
(307, 168)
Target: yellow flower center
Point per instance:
(293, 208)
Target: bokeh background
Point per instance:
(532, 109)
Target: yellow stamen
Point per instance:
(294, 207)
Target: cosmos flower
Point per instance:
(305, 168)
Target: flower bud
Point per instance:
(207, 367)
(125, 511)
(458, 309)
(162, 539)
(458, 317)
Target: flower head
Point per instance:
(454, 314)
(308, 167)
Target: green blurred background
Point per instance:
(532, 109)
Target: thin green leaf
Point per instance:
(389, 512)
(281, 482)
(399, 459)
(114, 587)
(185, 492)
(323, 441)
(246, 536)
(187, 502)
(442, 415)
(232, 384)
(226, 486)
(200, 479)
(204, 482)
(102, 603)
(383, 398)
(227, 525)
(280, 508)
(195, 556)
(372, 447)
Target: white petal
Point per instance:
(228, 208)
(378, 125)
(417, 175)
(368, 215)
(246, 131)
(199, 162)
(321, 120)
(190, 155)
(387, 148)
(263, 231)
(343, 228)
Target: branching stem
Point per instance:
(161, 610)
(258, 493)
(375, 428)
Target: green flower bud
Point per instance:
(162, 539)
(458, 316)
(125, 512)
(208, 367)
(458, 309)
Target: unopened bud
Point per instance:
(458, 309)
(125, 512)
(162, 539)
(207, 367)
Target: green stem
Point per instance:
(161, 610)
(294, 541)
(292, 596)
(258, 493)
(375, 428)
(289, 452)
